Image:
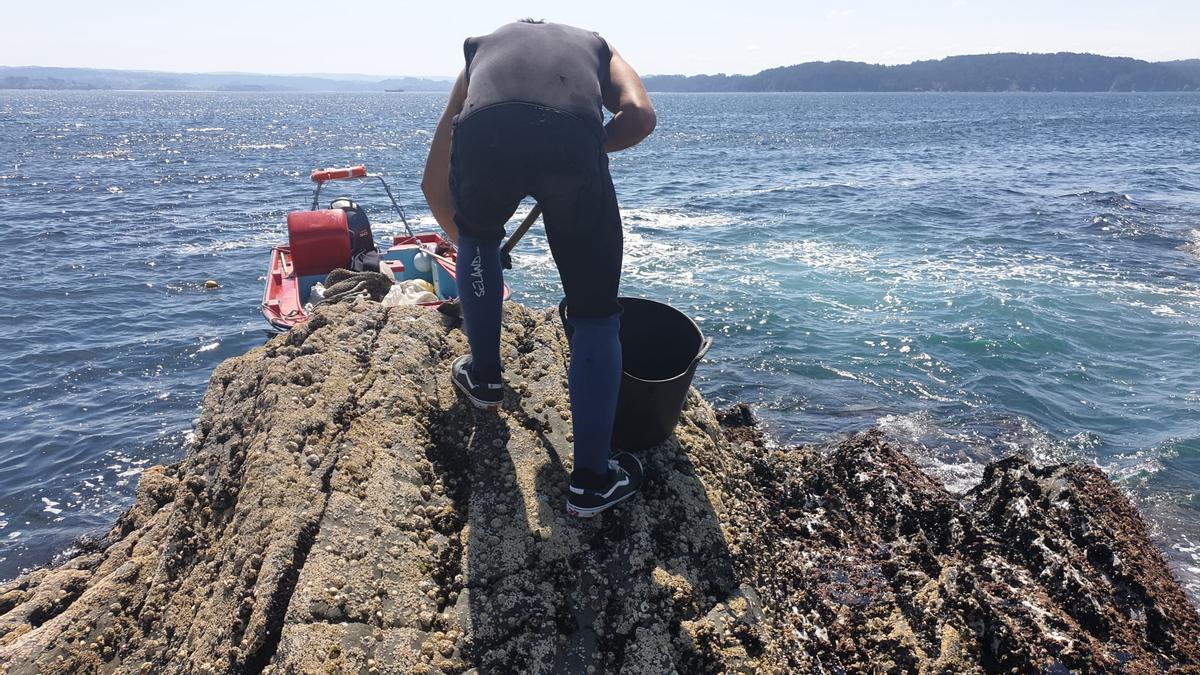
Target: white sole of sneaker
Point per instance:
(478, 403)
(588, 513)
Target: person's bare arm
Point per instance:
(626, 97)
(436, 181)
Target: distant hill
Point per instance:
(984, 72)
(37, 77)
(1188, 68)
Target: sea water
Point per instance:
(974, 274)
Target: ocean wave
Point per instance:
(120, 154)
(1123, 226)
(262, 240)
(672, 219)
(822, 187)
(1192, 243)
(1116, 200)
(955, 450)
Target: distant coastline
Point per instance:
(976, 73)
(1063, 71)
(40, 77)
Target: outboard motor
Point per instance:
(363, 255)
(361, 239)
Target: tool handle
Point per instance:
(522, 228)
(506, 250)
(322, 175)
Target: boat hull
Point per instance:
(286, 293)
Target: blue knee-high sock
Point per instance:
(481, 288)
(595, 380)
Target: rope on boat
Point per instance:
(343, 284)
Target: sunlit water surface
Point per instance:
(975, 274)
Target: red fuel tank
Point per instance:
(320, 241)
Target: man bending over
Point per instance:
(524, 119)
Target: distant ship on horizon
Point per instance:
(393, 91)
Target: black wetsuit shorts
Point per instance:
(505, 152)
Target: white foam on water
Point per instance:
(920, 436)
(1134, 469)
(1193, 246)
(264, 239)
(117, 153)
(824, 255)
(51, 506)
(1114, 284)
(988, 269)
(653, 260)
(671, 219)
(792, 187)
(957, 451)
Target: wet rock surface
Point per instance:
(342, 511)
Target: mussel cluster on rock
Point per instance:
(342, 511)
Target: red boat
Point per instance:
(322, 240)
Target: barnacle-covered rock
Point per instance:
(342, 511)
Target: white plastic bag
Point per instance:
(316, 295)
(411, 292)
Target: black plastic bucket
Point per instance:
(661, 347)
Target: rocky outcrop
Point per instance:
(342, 511)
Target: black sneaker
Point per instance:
(485, 395)
(623, 481)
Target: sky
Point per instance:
(399, 37)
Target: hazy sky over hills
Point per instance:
(700, 36)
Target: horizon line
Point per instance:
(659, 74)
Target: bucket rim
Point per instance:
(705, 340)
(705, 343)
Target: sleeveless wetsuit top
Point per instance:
(551, 65)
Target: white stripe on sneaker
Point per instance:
(621, 483)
